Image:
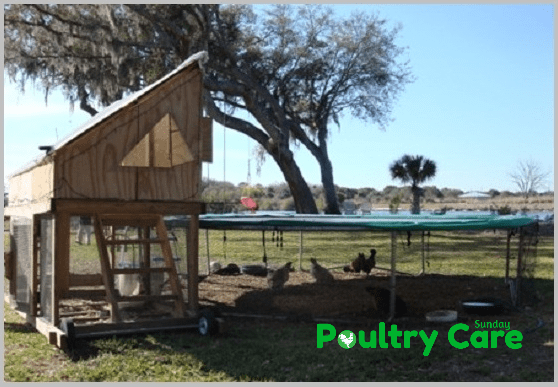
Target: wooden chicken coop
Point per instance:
(133, 163)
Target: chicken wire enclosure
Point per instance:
(22, 233)
(140, 256)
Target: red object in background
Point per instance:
(250, 203)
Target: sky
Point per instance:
(482, 101)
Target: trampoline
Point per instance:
(386, 223)
(298, 222)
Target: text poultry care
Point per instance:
(402, 339)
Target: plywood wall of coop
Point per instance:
(31, 191)
(150, 150)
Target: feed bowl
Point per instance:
(482, 306)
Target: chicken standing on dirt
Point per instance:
(321, 274)
(382, 298)
(357, 265)
(276, 278)
(370, 263)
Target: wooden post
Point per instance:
(169, 263)
(106, 272)
(61, 264)
(13, 259)
(392, 282)
(112, 231)
(36, 252)
(146, 251)
(193, 235)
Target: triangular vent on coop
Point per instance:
(162, 147)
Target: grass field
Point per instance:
(255, 350)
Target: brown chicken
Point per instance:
(357, 265)
(382, 301)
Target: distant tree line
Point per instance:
(278, 196)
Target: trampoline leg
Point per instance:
(207, 249)
(520, 256)
(392, 282)
(300, 252)
(508, 241)
(422, 243)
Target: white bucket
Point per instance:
(127, 284)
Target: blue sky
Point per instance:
(482, 101)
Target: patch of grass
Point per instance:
(269, 351)
(27, 355)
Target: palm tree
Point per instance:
(414, 169)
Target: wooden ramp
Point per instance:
(144, 222)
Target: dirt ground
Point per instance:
(346, 297)
(303, 299)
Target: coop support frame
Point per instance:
(61, 210)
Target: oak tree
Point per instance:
(294, 69)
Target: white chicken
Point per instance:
(276, 278)
(321, 274)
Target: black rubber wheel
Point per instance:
(257, 270)
(67, 325)
(207, 324)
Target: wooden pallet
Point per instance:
(145, 221)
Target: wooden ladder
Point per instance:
(108, 271)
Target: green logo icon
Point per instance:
(346, 339)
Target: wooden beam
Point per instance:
(133, 241)
(192, 263)
(54, 335)
(9, 265)
(155, 298)
(169, 262)
(108, 279)
(94, 206)
(61, 264)
(13, 257)
(142, 270)
(145, 254)
(34, 264)
(28, 210)
(86, 280)
(88, 294)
